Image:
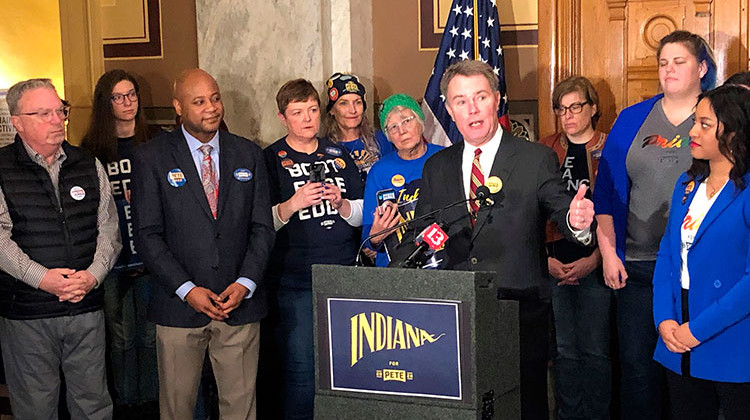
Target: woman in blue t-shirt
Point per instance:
(347, 125)
(398, 175)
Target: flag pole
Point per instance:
(476, 31)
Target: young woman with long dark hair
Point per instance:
(117, 126)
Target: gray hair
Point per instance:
(16, 91)
(398, 109)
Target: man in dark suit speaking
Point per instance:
(507, 237)
(203, 228)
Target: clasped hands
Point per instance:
(216, 307)
(68, 284)
(678, 338)
(569, 274)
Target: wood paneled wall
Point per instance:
(82, 60)
(613, 43)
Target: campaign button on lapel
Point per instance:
(243, 174)
(176, 178)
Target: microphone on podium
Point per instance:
(485, 194)
(432, 237)
(490, 189)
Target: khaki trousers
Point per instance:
(234, 358)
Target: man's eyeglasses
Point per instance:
(394, 128)
(575, 108)
(46, 114)
(119, 98)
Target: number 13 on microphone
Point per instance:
(435, 237)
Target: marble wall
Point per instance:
(253, 47)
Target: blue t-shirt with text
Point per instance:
(405, 178)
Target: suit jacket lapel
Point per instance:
(727, 195)
(676, 222)
(502, 167)
(458, 182)
(184, 159)
(454, 186)
(226, 173)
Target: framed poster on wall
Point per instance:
(7, 132)
(131, 29)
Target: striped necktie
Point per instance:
(477, 180)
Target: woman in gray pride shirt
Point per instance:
(646, 151)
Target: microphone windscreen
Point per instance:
(482, 192)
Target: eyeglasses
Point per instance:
(575, 108)
(46, 114)
(119, 98)
(394, 128)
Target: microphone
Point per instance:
(358, 259)
(483, 196)
(490, 189)
(432, 237)
(484, 193)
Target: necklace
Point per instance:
(713, 189)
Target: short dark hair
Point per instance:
(469, 68)
(731, 104)
(699, 48)
(297, 90)
(581, 85)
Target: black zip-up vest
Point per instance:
(56, 235)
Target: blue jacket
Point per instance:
(612, 192)
(719, 297)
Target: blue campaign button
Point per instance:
(176, 178)
(717, 283)
(243, 174)
(333, 151)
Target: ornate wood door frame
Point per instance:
(83, 59)
(613, 42)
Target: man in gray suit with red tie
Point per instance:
(203, 227)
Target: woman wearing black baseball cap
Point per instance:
(346, 123)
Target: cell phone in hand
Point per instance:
(386, 195)
(318, 172)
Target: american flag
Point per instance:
(471, 33)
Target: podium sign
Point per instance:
(413, 344)
(396, 347)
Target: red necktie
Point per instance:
(477, 180)
(208, 178)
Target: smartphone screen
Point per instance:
(386, 195)
(318, 172)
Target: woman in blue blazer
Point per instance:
(646, 151)
(702, 276)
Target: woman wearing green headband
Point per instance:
(397, 175)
